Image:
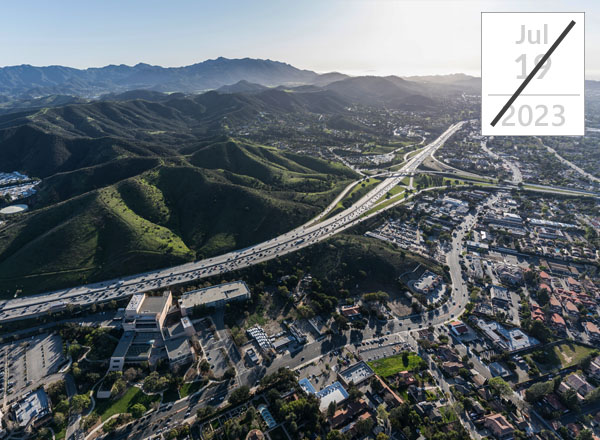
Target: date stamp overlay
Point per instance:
(532, 73)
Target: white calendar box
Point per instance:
(552, 103)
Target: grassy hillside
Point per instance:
(124, 208)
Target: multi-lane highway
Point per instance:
(303, 236)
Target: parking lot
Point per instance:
(212, 346)
(378, 349)
(24, 363)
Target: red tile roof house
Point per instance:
(571, 309)
(555, 305)
(348, 411)
(574, 284)
(537, 314)
(592, 331)
(350, 312)
(557, 322)
(499, 427)
(388, 395)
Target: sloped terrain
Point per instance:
(108, 207)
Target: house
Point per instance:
(348, 412)
(350, 312)
(572, 309)
(592, 331)
(447, 354)
(573, 429)
(451, 368)
(417, 393)
(554, 403)
(555, 305)
(391, 399)
(477, 411)
(537, 314)
(499, 427)
(594, 368)
(430, 410)
(557, 322)
(579, 384)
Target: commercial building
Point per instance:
(356, 374)
(458, 328)
(117, 360)
(511, 340)
(146, 331)
(147, 313)
(179, 351)
(331, 393)
(32, 409)
(214, 296)
(500, 296)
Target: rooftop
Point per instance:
(124, 344)
(356, 373)
(208, 295)
(178, 347)
(331, 393)
(34, 405)
(154, 304)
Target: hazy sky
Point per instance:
(399, 37)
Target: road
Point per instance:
(169, 416)
(298, 238)
(517, 176)
(572, 165)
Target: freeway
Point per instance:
(298, 238)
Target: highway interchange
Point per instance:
(303, 236)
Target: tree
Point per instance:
(335, 435)
(204, 366)
(354, 393)
(585, 434)
(130, 374)
(138, 410)
(331, 409)
(90, 421)
(381, 436)
(539, 331)
(79, 403)
(364, 426)
(59, 419)
(499, 386)
(204, 412)
(537, 391)
(341, 322)
(119, 387)
(239, 395)
(570, 399)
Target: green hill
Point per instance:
(132, 208)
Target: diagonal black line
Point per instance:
(535, 70)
